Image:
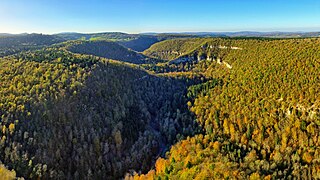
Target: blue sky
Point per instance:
(135, 16)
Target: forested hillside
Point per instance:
(172, 49)
(231, 108)
(110, 50)
(107, 36)
(261, 117)
(135, 42)
(141, 43)
(11, 44)
(70, 116)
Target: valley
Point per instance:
(164, 106)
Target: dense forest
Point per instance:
(260, 117)
(68, 116)
(11, 44)
(110, 50)
(186, 108)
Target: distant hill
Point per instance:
(275, 34)
(73, 36)
(110, 50)
(114, 36)
(141, 43)
(172, 49)
(11, 44)
(136, 42)
(6, 34)
(28, 40)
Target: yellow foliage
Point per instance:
(254, 176)
(267, 177)
(5, 174)
(251, 157)
(226, 126)
(244, 139)
(189, 104)
(149, 176)
(232, 132)
(239, 123)
(136, 176)
(203, 174)
(160, 165)
(276, 156)
(235, 173)
(311, 129)
(11, 128)
(4, 129)
(294, 134)
(307, 157)
(3, 139)
(216, 146)
(284, 142)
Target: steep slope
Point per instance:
(206, 51)
(110, 50)
(73, 116)
(141, 43)
(135, 42)
(172, 49)
(67, 116)
(261, 118)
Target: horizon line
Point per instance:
(165, 32)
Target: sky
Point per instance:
(136, 16)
